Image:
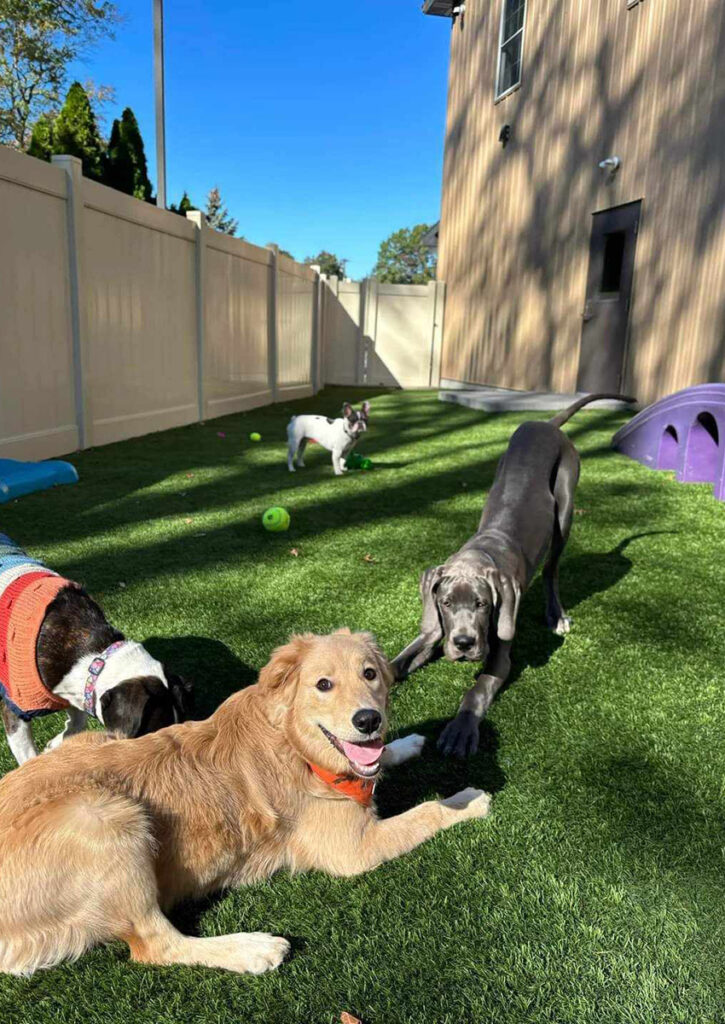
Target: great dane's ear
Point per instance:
(430, 623)
(347, 410)
(509, 593)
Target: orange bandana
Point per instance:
(352, 786)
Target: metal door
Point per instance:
(609, 290)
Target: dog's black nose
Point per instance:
(464, 642)
(367, 720)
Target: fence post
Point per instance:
(369, 289)
(74, 208)
(437, 299)
(316, 320)
(272, 319)
(198, 219)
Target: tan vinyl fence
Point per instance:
(383, 334)
(118, 319)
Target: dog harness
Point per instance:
(352, 786)
(27, 588)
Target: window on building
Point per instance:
(613, 262)
(511, 44)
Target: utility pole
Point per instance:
(159, 91)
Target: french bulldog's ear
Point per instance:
(182, 694)
(347, 410)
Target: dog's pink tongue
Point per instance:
(363, 753)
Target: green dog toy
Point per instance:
(366, 464)
(354, 460)
(276, 519)
(255, 436)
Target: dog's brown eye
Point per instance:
(370, 673)
(324, 684)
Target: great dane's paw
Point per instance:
(407, 747)
(472, 803)
(460, 736)
(562, 626)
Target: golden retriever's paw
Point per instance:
(403, 749)
(256, 952)
(470, 803)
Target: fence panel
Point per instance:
(398, 342)
(236, 282)
(295, 321)
(119, 319)
(37, 406)
(403, 348)
(341, 320)
(140, 299)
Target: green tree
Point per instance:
(39, 39)
(403, 259)
(184, 205)
(41, 141)
(328, 263)
(217, 215)
(75, 132)
(125, 165)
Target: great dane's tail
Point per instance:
(566, 414)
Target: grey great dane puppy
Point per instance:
(470, 603)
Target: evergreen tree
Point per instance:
(217, 215)
(75, 132)
(185, 204)
(41, 141)
(125, 162)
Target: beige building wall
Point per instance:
(644, 83)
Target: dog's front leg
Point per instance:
(19, 735)
(460, 736)
(420, 652)
(401, 750)
(351, 850)
(338, 463)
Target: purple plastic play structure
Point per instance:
(684, 432)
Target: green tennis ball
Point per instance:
(366, 464)
(276, 519)
(255, 436)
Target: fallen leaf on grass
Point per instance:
(295, 552)
(368, 558)
(122, 584)
(579, 511)
(347, 1018)
(188, 520)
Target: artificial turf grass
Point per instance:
(594, 891)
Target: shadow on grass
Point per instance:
(431, 774)
(214, 670)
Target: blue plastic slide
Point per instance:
(18, 478)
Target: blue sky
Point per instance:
(322, 124)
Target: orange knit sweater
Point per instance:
(23, 606)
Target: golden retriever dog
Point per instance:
(99, 837)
